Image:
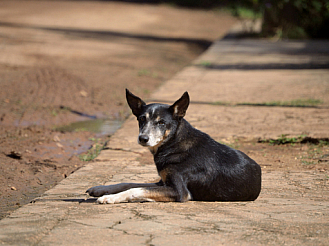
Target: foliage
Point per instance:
(283, 18)
(283, 139)
(292, 103)
(296, 18)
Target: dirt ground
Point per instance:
(63, 62)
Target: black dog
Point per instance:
(192, 165)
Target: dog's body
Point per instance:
(192, 165)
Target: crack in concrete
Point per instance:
(148, 241)
(143, 216)
(122, 149)
(57, 222)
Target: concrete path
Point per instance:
(293, 208)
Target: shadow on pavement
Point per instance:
(203, 43)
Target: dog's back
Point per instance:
(212, 171)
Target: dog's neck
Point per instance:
(154, 149)
(175, 147)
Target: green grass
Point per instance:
(245, 13)
(93, 152)
(220, 103)
(315, 152)
(205, 64)
(308, 162)
(148, 73)
(283, 139)
(292, 103)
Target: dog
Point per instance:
(192, 165)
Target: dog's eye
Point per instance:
(142, 118)
(161, 123)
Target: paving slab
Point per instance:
(255, 71)
(234, 74)
(293, 207)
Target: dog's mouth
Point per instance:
(146, 141)
(143, 144)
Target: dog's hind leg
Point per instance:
(102, 190)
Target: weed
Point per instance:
(323, 143)
(144, 72)
(81, 129)
(54, 112)
(308, 162)
(315, 152)
(205, 64)
(93, 152)
(242, 12)
(220, 103)
(292, 103)
(283, 139)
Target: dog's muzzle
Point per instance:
(143, 139)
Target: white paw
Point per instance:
(132, 195)
(109, 199)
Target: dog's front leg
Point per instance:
(148, 194)
(102, 190)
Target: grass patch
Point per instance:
(245, 13)
(93, 152)
(148, 73)
(283, 139)
(205, 64)
(316, 153)
(303, 139)
(308, 163)
(292, 103)
(220, 103)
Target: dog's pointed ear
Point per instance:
(135, 103)
(179, 108)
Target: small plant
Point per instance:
(220, 103)
(81, 129)
(144, 72)
(283, 139)
(245, 13)
(93, 152)
(205, 64)
(292, 103)
(54, 112)
(148, 73)
(308, 162)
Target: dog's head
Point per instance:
(157, 122)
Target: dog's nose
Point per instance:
(143, 139)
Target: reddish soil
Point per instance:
(58, 67)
